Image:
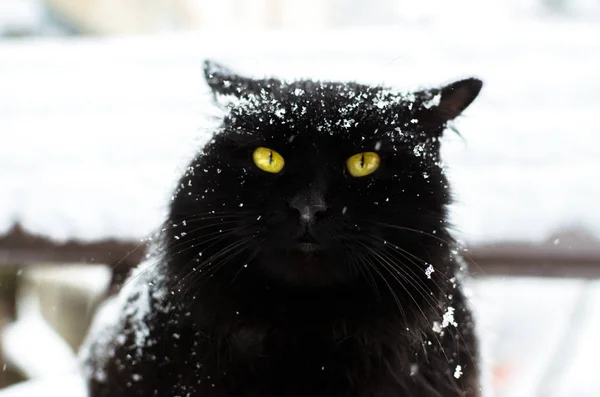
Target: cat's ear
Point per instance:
(449, 102)
(223, 81)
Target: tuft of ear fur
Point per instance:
(223, 81)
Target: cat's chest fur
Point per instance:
(291, 354)
(311, 354)
(292, 359)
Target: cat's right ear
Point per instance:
(224, 82)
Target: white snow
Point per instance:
(96, 131)
(429, 271)
(448, 318)
(577, 374)
(22, 342)
(539, 335)
(435, 101)
(20, 15)
(458, 372)
(70, 385)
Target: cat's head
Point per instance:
(313, 183)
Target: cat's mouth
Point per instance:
(305, 260)
(307, 244)
(309, 247)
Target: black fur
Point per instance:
(248, 299)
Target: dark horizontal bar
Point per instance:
(579, 257)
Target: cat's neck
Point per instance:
(256, 301)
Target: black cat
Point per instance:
(306, 253)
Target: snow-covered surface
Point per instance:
(94, 279)
(581, 362)
(95, 131)
(540, 335)
(20, 14)
(24, 340)
(23, 343)
(539, 338)
(68, 385)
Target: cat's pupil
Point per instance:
(362, 161)
(270, 157)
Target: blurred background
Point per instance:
(102, 103)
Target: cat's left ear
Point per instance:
(449, 102)
(223, 81)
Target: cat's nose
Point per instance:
(309, 205)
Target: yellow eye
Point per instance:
(268, 160)
(363, 164)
